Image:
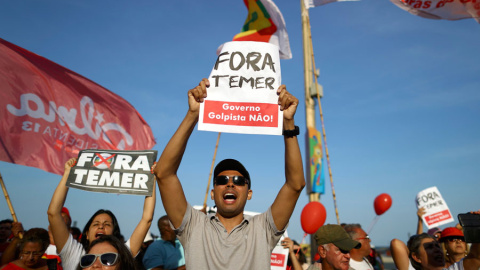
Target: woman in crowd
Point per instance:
(107, 252)
(32, 247)
(103, 222)
(296, 257)
(453, 244)
(425, 253)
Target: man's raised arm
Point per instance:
(171, 190)
(284, 204)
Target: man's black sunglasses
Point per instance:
(238, 180)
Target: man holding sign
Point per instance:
(228, 239)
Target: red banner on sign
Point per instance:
(50, 113)
(240, 113)
(437, 217)
(277, 259)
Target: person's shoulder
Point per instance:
(157, 243)
(457, 265)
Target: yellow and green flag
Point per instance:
(265, 23)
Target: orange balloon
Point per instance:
(313, 217)
(382, 203)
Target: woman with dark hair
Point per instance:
(103, 222)
(32, 247)
(296, 258)
(107, 252)
(425, 253)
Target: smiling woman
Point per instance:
(107, 252)
(102, 223)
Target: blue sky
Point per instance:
(401, 101)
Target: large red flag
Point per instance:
(50, 113)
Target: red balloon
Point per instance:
(382, 203)
(313, 216)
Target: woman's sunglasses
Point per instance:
(455, 239)
(106, 259)
(237, 180)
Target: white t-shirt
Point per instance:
(456, 266)
(362, 265)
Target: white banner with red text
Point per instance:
(242, 97)
(436, 209)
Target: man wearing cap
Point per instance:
(228, 239)
(358, 260)
(334, 246)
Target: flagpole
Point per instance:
(210, 175)
(309, 102)
(323, 126)
(7, 198)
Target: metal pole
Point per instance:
(210, 175)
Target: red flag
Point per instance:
(50, 113)
(441, 9)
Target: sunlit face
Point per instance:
(455, 246)
(101, 225)
(31, 254)
(364, 239)
(430, 254)
(101, 248)
(334, 257)
(230, 199)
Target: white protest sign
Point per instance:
(114, 171)
(242, 97)
(279, 257)
(436, 209)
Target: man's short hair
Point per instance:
(161, 220)
(335, 234)
(351, 229)
(232, 165)
(9, 221)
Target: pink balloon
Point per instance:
(313, 217)
(382, 203)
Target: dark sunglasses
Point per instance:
(107, 259)
(237, 180)
(456, 239)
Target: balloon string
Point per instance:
(303, 239)
(374, 221)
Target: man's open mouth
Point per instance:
(229, 197)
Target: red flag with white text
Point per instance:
(50, 113)
(441, 9)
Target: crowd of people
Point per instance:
(226, 239)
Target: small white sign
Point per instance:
(436, 209)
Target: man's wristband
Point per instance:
(291, 132)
